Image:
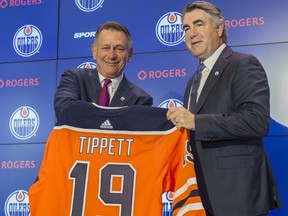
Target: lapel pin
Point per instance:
(216, 73)
(122, 98)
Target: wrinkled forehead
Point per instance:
(195, 16)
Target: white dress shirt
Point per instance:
(209, 63)
(112, 87)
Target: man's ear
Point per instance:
(94, 51)
(220, 30)
(130, 53)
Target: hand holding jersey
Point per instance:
(115, 162)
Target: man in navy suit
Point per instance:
(112, 49)
(230, 119)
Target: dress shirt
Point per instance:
(209, 63)
(112, 87)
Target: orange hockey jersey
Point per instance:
(125, 161)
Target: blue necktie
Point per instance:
(195, 86)
(104, 94)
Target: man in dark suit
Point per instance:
(112, 49)
(228, 121)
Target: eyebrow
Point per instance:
(194, 22)
(117, 46)
(197, 21)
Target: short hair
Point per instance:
(115, 26)
(215, 13)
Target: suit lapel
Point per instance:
(93, 85)
(214, 76)
(122, 94)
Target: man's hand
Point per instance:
(181, 118)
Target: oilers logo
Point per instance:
(89, 5)
(27, 40)
(88, 65)
(167, 199)
(24, 123)
(169, 30)
(170, 103)
(17, 204)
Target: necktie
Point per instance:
(200, 178)
(104, 94)
(195, 86)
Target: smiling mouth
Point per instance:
(112, 63)
(196, 42)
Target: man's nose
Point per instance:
(112, 53)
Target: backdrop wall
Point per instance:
(40, 39)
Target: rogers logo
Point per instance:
(18, 3)
(13, 83)
(158, 74)
(23, 164)
(245, 22)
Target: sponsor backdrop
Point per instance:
(40, 39)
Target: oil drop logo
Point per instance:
(24, 122)
(27, 40)
(17, 203)
(169, 30)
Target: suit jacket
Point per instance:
(232, 117)
(84, 84)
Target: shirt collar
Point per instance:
(209, 62)
(115, 81)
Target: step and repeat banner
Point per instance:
(40, 39)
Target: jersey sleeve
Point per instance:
(186, 199)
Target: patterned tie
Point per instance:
(104, 94)
(195, 86)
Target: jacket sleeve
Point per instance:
(67, 92)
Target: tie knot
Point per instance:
(201, 68)
(106, 82)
